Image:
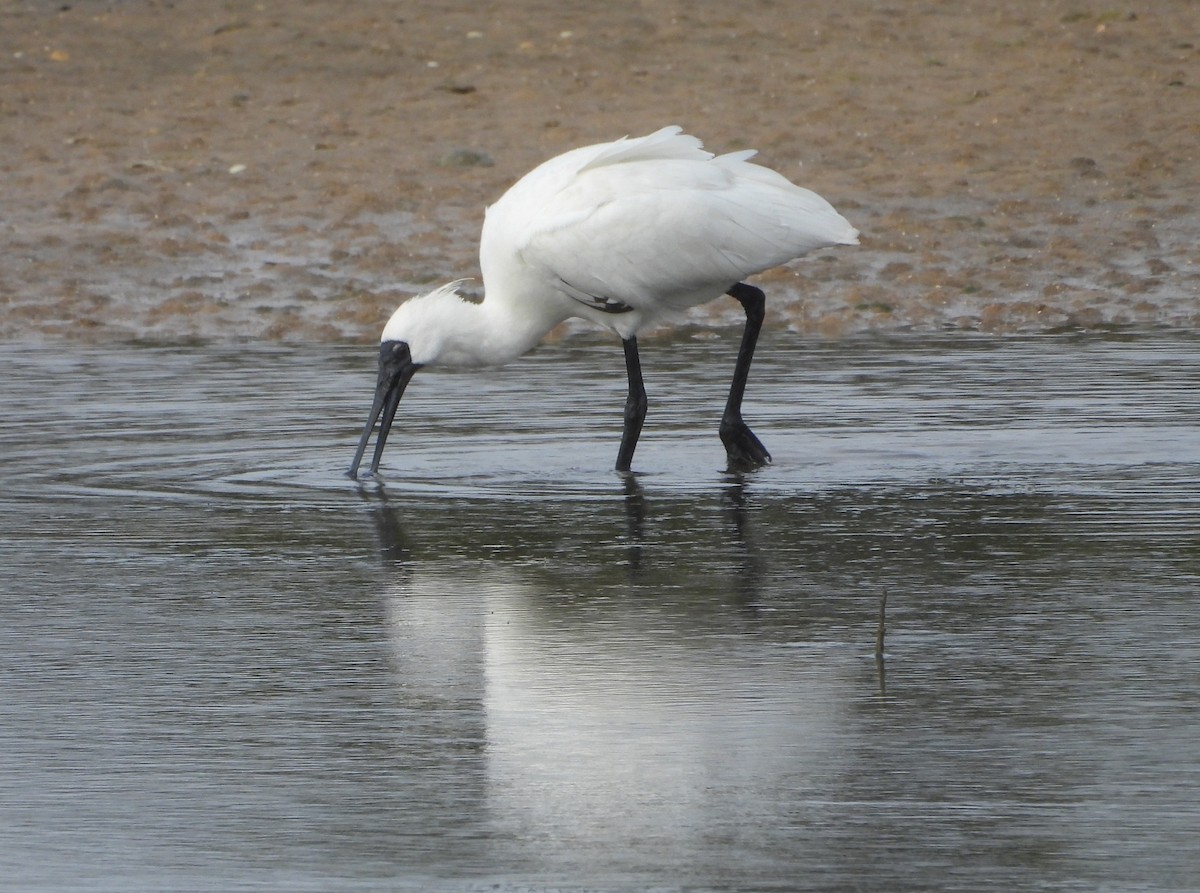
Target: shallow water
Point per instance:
(224, 666)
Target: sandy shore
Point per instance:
(291, 171)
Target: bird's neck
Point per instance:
(490, 333)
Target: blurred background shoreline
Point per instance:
(290, 172)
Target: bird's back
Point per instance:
(655, 223)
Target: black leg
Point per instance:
(743, 448)
(635, 405)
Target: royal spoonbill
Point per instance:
(625, 234)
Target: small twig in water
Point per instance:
(879, 632)
(880, 665)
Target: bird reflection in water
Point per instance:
(583, 711)
(395, 547)
(749, 578)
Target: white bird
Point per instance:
(626, 234)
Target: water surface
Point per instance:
(224, 666)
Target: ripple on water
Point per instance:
(281, 422)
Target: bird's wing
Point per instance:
(524, 203)
(667, 143)
(666, 233)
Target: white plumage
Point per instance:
(625, 234)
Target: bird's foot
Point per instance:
(744, 450)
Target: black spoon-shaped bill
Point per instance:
(396, 369)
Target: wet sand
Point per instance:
(292, 171)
